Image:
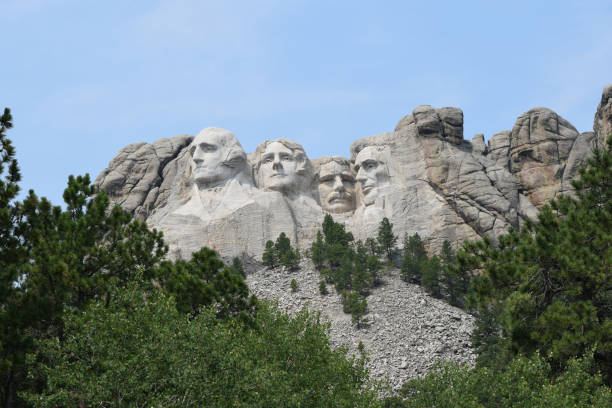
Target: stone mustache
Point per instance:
(423, 176)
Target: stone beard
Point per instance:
(372, 173)
(337, 186)
(216, 156)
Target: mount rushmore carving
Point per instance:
(423, 176)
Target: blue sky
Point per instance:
(84, 78)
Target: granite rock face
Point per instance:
(540, 144)
(423, 176)
(602, 125)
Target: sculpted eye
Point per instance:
(208, 148)
(286, 157)
(369, 165)
(268, 159)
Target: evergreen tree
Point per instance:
(282, 245)
(356, 305)
(237, 267)
(141, 352)
(373, 247)
(317, 251)
(553, 276)
(386, 239)
(323, 288)
(374, 266)
(343, 277)
(413, 258)
(430, 276)
(335, 232)
(270, 255)
(290, 259)
(454, 280)
(205, 281)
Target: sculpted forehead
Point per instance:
(369, 153)
(217, 137)
(334, 168)
(276, 147)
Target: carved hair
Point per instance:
(303, 168)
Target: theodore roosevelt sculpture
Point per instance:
(336, 185)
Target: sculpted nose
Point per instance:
(197, 156)
(338, 185)
(276, 165)
(360, 175)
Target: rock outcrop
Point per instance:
(423, 176)
(602, 126)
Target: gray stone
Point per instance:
(423, 176)
(540, 144)
(478, 144)
(602, 126)
(407, 330)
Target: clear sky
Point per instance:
(84, 78)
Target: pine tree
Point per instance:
(270, 255)
(431, 275)
(455, 281)
(413, 258)
(553, 276)
(386, 239)
(317, 251)
(343, 276)
(291, 258)
(282, 245)
(373, 247)
(237, 267)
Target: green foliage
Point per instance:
(414, 257)
(524, 383)
(373, 248)
(65, 259)
(553, 276)
(430, 276)
(353, 267)
(205, 281)
(293, 285)
(237, 267)
(323, 288)
(356, 305)
(270, 256)
(491, 346)
(281, 252)
(282, 244)
(291, 258)
(335, 233)
(140, 351)
(386, 239)
(455, 280)
(317, 251)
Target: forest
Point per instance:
(93, 314)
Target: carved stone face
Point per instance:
(336, 187)
(278, 168)
(372, 173)
(216, 156)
